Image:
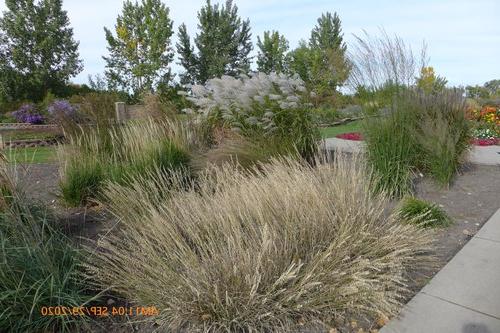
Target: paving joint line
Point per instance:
(487, 239)
(460, 305)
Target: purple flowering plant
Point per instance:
(61, 108)
(28, 113)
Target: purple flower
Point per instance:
(61, 108)
(28, 113)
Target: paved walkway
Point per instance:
(464, 297)
(489, 155)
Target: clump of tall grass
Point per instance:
(422, 213)
(38, 266)
(120, 152)
(272, 107)
(417, 131)
(259, 250)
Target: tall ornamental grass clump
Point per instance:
(422, 133)
(259, 250)
(266, 109)
(120, 152)
(419, 131)
(38, 267)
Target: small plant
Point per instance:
(62, 108)
(422, 213)
(28, 113)
(38, 267)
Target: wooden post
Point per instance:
(121, 112)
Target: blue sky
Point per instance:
(463, 37)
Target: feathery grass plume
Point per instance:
(261, 249)
(260, 106)
(422, 213)
(38, 266)
(120, 153)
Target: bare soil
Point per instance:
(470, 201)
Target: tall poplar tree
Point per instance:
(140, 52)
(322, 63)
(37, 47)
(272, 52)
(223, 44)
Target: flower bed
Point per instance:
(353, 136)
(485, 142)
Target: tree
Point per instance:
(428, 82)
(37, 46)
(272, 51)
(140, 53)
(322, 63)
(223, 44)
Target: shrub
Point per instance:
(263, 106)
(38, 267)
(422, 213)
(93, 156)
(28, 113)
(259, 250)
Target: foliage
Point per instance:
(381, 61)
(223, 44)
(39, 49)
(272, 53)
(429, 133)
(140, 53)
(61, 111)
(38, 267)
(116, 153)
(429, 82)
(28, 113)
(260, 106)
(298, 244)
(331, 132)
(422, 213)
(322, 63)
(325, 115)
(490, 89)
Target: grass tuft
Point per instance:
(423, 213)
(260, 249)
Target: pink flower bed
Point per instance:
(354, 136)
(485, 142)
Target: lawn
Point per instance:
(33, 155)
(330, 132)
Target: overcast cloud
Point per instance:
(463, 36)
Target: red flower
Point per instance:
(354, 136)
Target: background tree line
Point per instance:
(38, 53)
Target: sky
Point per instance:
(462, 36)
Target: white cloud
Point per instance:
(463, 37)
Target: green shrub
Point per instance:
(422, 213)
(38, 267)
(93, 156)
(259, 250)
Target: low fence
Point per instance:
(10, 128)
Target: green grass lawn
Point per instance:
(31, 155)
(331, 132)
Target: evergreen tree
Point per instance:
(38, 50)
(140, 53)
(272, 52)
(327, 34)
(223, 44)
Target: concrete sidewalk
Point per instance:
(489, 155)
(464, 297)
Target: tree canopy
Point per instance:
(139, 51)
(222, 44)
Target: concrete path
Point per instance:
(464, 297)
(489, 155)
